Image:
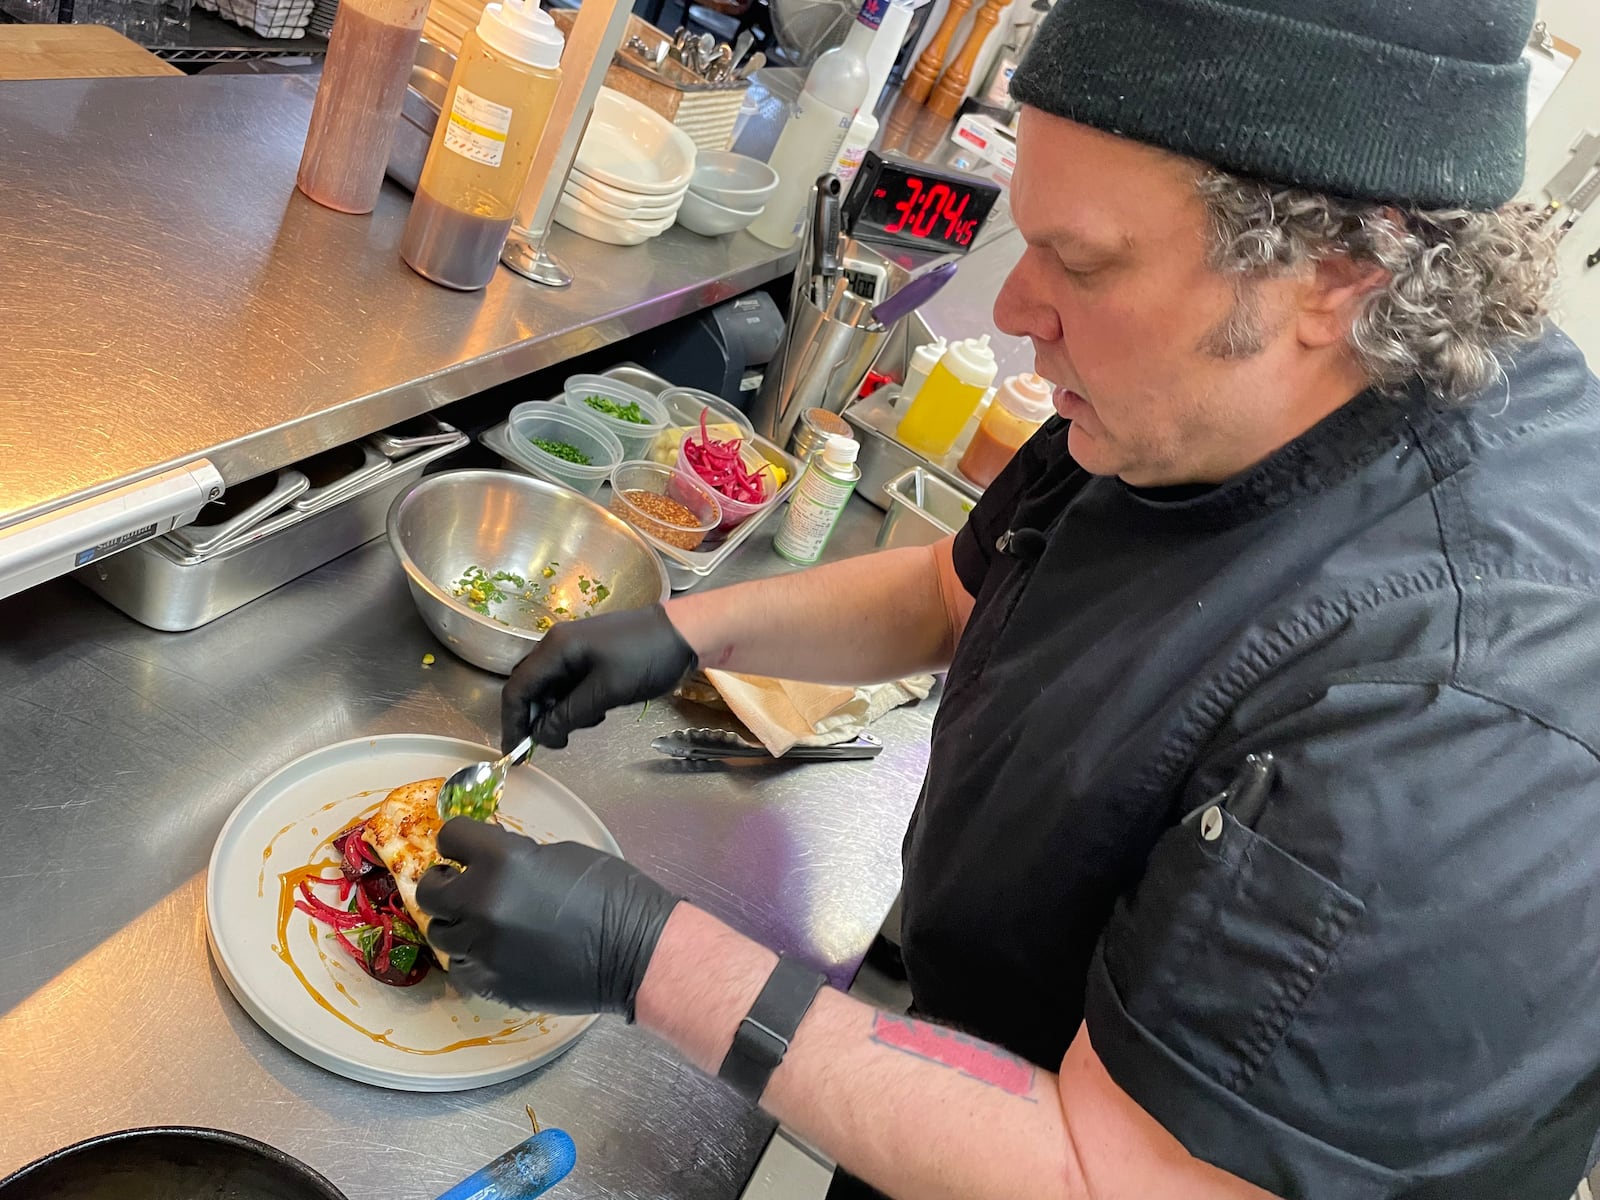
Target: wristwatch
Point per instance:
(762, 1038)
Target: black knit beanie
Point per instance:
(1419, 102)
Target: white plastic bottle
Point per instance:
(879, 48)
(923, 360)
(818, 499)
(810, 141)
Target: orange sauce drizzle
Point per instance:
(289, 886)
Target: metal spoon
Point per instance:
(703, 55)
(753, 64)
(474, 791)
(741, 47)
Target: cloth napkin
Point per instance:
(782, 713)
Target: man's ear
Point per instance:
(1331, 297)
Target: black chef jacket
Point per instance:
(1386, 983)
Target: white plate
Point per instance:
(620, 195)
(633, 147)
(652, 211)
(578, 217)
(432, 1037)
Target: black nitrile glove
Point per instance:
(583, 669)
(561, 928)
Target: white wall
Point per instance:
(1574, 107)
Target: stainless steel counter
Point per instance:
(169, 294)
(123, 750)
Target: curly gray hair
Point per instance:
(1463, 285)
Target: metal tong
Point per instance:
(723, 744)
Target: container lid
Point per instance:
(971, 361)
(840, 452)
(524, 31)
(822, 421)
(926, 356)
(1027, 396)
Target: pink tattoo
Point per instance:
(975, 1059)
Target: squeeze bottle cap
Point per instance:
(1028, 397)
(520, 29)
(926, 356)
(971, 361)
(840, 452)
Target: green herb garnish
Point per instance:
(563, 451)
(628, 411)
(478, 589)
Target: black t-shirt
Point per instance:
(1385, 982)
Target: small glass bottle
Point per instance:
(369, 61)
(818, 499)
(494, 114)
(946, 402)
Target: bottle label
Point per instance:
(849, 162)
(871, 14)
(818, 500)
(477, 129)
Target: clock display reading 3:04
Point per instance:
(895, 202)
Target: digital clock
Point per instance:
(902, 204)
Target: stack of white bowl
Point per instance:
(630, 174)
(726, 193)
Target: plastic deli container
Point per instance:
(736, 512)
(636, 438)
(552, 423)
(665, 483)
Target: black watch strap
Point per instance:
(763, 1036)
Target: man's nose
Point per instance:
(1022, 306)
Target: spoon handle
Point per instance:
(520, 752)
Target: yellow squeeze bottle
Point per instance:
(949, 397)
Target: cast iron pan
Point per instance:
(175, 1163)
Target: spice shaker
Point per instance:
(812, 431)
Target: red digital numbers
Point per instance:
(921, 208)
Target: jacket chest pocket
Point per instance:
(1221, 943)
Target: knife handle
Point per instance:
(526, 1170)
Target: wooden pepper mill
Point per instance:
(920, 81)
(952, 88)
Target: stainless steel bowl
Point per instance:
(501, 521)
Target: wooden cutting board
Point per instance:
(73, 52)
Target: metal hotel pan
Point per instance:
(173, 1163)
(160, 584)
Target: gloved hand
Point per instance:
(582, 669)
(561, 928)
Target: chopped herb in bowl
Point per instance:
(622, 411)
(562, 450)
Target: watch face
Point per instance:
(937, 210)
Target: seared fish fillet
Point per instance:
(405, 833)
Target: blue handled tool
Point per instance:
(522, 1172)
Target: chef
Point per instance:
(1259, 845)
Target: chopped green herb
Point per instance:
(628, 411)
(583, 584)
(478, 590)
(563, 451)
(601, 591)
(508, 577)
